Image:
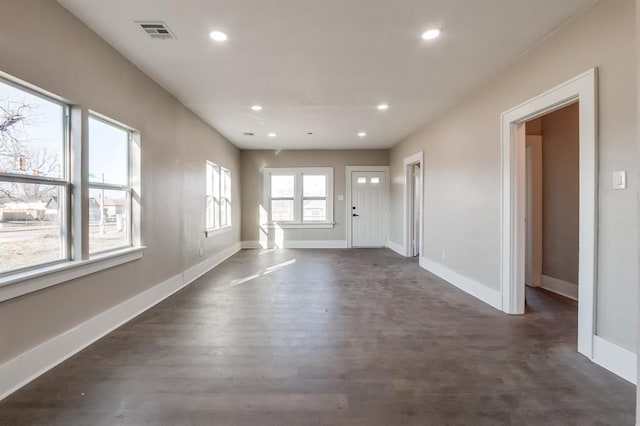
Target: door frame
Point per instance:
(534, 206)
(348, 171)
(582, 89)
(417, 158)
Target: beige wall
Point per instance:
(40, 42)
(637, 176)
(463, 162)
(253, 162)
(561, 186)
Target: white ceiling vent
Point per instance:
(157, 30)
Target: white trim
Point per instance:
(22, 283)
(298, 196)
(348, 205)
(36, 361)
(615, 358)
(582, 88)
(217, 231)
(396, 247)
(481, 291)
(561, 287)
(297, 244)
(417, 158)
(307, 225)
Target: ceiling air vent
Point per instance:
(248, 133)
(157, 30)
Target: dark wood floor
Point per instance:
(330, 337)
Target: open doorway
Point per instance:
(552, 202)
(581, 89)
(413, 205)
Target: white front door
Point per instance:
(368, 209)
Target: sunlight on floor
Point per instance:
(265, 271)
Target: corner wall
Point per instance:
(43, 44)
(462, 187)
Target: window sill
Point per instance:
(212, 232)
(310, 225)
(29, 281)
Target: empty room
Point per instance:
(345, 212)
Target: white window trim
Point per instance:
(220, 229)
(298, 172)
(28, 281)
(217, 231)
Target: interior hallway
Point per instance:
(358, 337)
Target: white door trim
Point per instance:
(417, 158)
(348, 205)
(582, 88)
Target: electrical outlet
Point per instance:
(444, 254)
(201, 252)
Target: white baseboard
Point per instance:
(615, 358)
(36, 361)
(293, 244)
(563, 288)
(488, 295)
(396, 247)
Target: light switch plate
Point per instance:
(620, 179)
(340, 197)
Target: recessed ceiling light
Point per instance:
(431, 34)
(256, 108)
(362, 134)
(218, 35)
(383, 107)
(272, 135)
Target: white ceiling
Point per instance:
(323, 66)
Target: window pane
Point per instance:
(31, 134)
(282, 186)
(362, 180)
(226, 186)
(314, 185)
(108, 220)
(209, 213)
(223, 213)
(216, 182)
(375, 180)
(314, 210)
(209, 179)
(225, 210)
(281, 210)
(31, 225)
(108, 153)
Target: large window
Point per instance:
(109, 186)
(66, 200)
(34, 179)
(218, 202)
(299, 197)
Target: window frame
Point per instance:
(298, 196)
(114, 187)
(63, 181)
(223, 200)
(77, 261)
